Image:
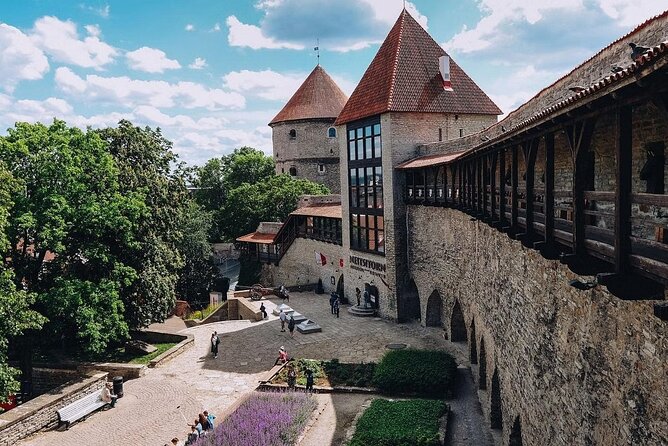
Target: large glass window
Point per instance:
(365, 178)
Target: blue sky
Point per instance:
(213, 73)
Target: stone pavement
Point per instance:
(154, 406)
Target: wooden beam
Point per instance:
(549, 189)
(514, 186)
(485, 182)
(579, 138)
(624, 158)
(502, 185)
(530, 150)
(492, 185)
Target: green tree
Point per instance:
(67, 220)
(247, 165)
(146, 166)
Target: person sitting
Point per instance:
(107, 396)
(193, 436)
(282, 356)
(210, 418)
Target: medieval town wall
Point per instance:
(299, 267)
(576, 367)
(309, 149)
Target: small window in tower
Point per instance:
(440, 134)
(461, 132)
(331, 132)
(321, 168)
(293, 134)
(282, 169)
(293, 171)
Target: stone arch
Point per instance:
(472, 343)
(516, 433)
(409, 308)
(434, 310)
(495, 412)
(482, 366)
(340, 289)
(457, 324)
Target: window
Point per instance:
(293, 171)
(365, 176)
(331, 132)
(461, 132)
(293, 134)
(440, 134)
(321, 168)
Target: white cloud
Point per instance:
(128, 92)
(265, 84)
(216, 28)
(151, 60)
(37, 111)
(190, 27)
(251, 36)
(60, 40)
(20, 59)
(102, 11)
(628, 13)
(198, 64)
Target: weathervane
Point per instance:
(317, 49)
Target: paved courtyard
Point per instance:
(158, 406)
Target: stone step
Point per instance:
(361, 311)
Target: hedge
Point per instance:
(400, 423)
(422, 372)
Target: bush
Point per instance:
(330, 373)
(400, 423)
(265, 419)
(422, 372)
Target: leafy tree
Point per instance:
(67, 219)
(146, 166)
(247, 165)
(270, 200)
(16, 317)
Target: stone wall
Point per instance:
(576, 367)
(298, 266)
(41, 413)
(46, 379)
(311, 152)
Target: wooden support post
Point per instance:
(549, 189)
(492, 186)
(530, 150)
(624, 158)
(445, 184)
(479, 186)
(514, 185)
(485, 183)
(502, 186)
(579, 137)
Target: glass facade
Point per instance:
(365, 180)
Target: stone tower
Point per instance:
(303, 133)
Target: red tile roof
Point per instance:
(258, 237)
(429, 160)
(318, 98)
(323, 210)
(404, 77)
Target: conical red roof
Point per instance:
(318, 98)
(404, 77)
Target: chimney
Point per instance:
(444, 66)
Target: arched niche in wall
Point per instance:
(472, 343)
(516, 433)
(482, 366)
(457, 324)
(434, 310)
(495, 413)
(409, 308)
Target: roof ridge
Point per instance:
(395, 66)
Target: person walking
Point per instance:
(291, 326)
(263, 310)
(292, 378)
(337, 305)
(358, 294)
(309, 380)
(215, 340)
(332, 299)
(283, 317)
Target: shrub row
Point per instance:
(421, 372)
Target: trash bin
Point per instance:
(118, 386)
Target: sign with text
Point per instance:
(368, 266)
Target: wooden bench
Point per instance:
(81, 408)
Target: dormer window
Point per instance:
(293, 134)
(331, 132)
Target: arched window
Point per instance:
(293, 134)
(293, 171)
(331, 132)
(321, 168)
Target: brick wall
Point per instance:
(578, 368)
(41, 413)
(45, 379)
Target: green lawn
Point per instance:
(400, 423)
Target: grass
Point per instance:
(114, 354)
(204, 313)
(330, 373)
(400, 423)
(422, 372)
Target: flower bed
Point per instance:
(264, 419)
(422, 372)
(400, 423)
(330, 373)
